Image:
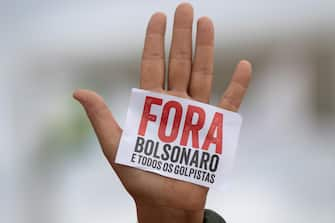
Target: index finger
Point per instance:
(152, 65)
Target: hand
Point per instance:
(160, 198)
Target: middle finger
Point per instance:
(181, 49)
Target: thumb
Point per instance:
(102, 120)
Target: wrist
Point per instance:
(150, 213)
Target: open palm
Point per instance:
(187, 79)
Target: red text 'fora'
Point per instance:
(188, 129)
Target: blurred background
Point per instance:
(51, 167)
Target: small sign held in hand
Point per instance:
(179, 138)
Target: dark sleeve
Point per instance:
(212, 217)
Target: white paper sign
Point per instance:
(179, 138)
